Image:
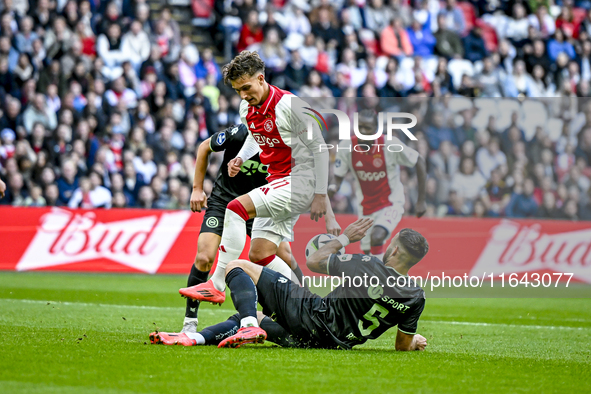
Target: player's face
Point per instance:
(367, 128)
(250, 88)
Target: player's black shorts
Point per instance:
(213, 221)
(294, 308)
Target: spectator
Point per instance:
(35, 199)
(474, 45)
(136, 45)
(145, 166)
(448, 42)
(490, 157)
(378, 16)
(251, 32)
(522, 203)
(37, 112)
(438, 131)
(68, 182)
(91, 193)
(26, 36)
(421, 39)
(394, 40)
(468, 183)
(454, 17)
(558, 45)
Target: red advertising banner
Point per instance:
(154, 241)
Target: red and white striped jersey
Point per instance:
(279, 129)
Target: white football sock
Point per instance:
(197, 337)
(277, 264)
(250, 321)
(232, 244)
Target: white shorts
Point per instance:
(387, 218)
(278, 206)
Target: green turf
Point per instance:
(74, 333)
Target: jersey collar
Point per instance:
(265, 106)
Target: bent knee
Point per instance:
(234, 264)
(203, 262)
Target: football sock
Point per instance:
(213, 335)
(278, 265)
(244, 296)
(233, 241)
(377, 251)
(195, 277)
(196, 337)
(277, 334)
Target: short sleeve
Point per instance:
(343, 157)
(407, 157)
(221, 139)
(411, 322)
(343, 264)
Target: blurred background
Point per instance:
(112, 98)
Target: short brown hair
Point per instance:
(414, 243)
(246, 63)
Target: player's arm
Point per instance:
(248, 150)
(318, 261)
(421, 167)
(2, 188)
(332, 226)
(198, 197)
(407, 342)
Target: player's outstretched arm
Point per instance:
(318, 261)
(421, 167)
(407, 342)
(2, 188)
(198, 197)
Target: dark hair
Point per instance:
(246, 63)
(413, 242)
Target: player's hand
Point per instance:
(420, 342)
(356, 230)
(234, 166)
(420, 208)
(198, 200)
(332, 226)
(2, 188)
(318, 208)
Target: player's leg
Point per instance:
(284, 253)
(207, 247)
(271, 201)
(264, 248)
(385, 221)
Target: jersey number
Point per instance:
(369, 316)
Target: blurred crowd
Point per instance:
(104, 103)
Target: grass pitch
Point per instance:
(77, 333)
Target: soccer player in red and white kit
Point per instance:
(278, 130)
(377, 174)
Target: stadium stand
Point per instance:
(104, 103)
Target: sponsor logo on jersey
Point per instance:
(345, 257)
(516, 248)
(359, 164)
(234, 130)
(375, 292)
(378, 162)
(251, 167)
(64, 237)
(282, 279)
(268, 125)
(251, 126)
(212, 222)
(268, 141)
(370, 176)
(221, 138)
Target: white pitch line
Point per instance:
(92, 304)
(170, 308)
(468, 323)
